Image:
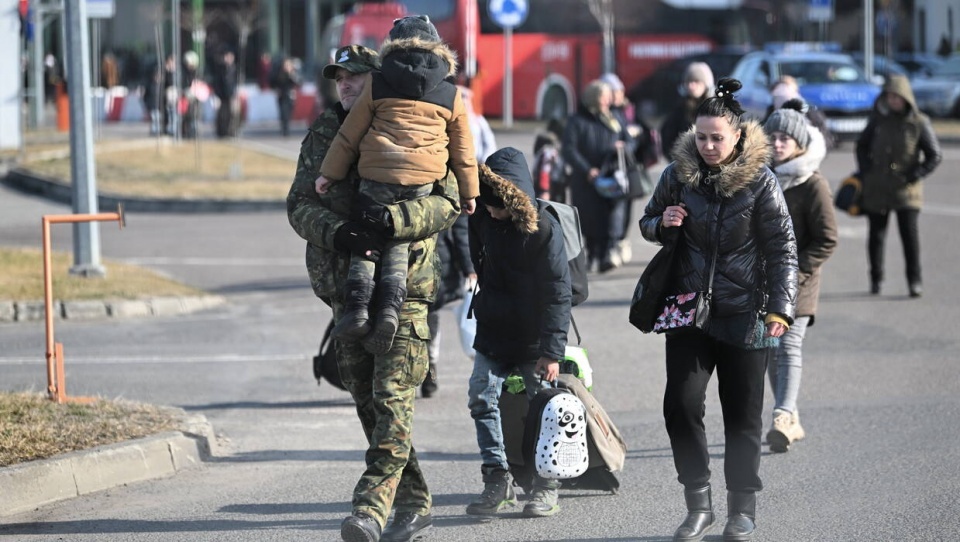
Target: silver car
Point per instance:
(939, 94)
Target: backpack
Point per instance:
(569, 219)
(555, 435)
(325, 362)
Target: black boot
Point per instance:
(390, 298)
(355, 320)
(699, 519)
(741, 512)
(429, 386)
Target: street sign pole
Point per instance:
(86, 235)
(508, 77)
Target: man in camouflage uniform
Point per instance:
(383, 386)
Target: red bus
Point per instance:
(559, 48)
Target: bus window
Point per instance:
(437, 10)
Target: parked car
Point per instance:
(831, 82)
(939, 94)
(658, 93)
(883, 65)
(919, 64)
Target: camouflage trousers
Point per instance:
(384, 388)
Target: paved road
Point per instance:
(880, 398)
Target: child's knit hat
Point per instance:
(414, 26)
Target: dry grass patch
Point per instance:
(217, 170)
(33, 427)
(22, 279)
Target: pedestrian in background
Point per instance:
(382, 386)
(590, 142)
(786, 88)
(285, 82)
(896, 150)
(798, 150)
(523, 312)
(453, 247)
(696, 87)
(719, 195)
(225, 87)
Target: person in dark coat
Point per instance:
(456, 274)
(719, 195)
(896, 150)
(522, 310)
(590, 141)
(798, 150)
(225, 87)
(285, 83)
(696, 87)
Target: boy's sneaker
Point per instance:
(497, 494)
(380, 338)
(542, 504)
(785, 431)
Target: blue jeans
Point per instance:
(785, 370)
(486, 383)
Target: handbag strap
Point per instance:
(716, 249)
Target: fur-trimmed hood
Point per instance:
(414, 66)
(733, 176)
(507, 173)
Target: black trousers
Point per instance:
(691, 360)
(907, 223)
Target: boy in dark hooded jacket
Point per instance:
(407, 127)
(523, 313)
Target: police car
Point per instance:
(830, 81)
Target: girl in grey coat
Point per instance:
(798, 150)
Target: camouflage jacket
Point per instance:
(316, 218)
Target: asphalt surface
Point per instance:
(880, 396)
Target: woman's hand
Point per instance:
(775, 329)
(673, 216)
(593, 174)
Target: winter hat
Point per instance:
(791, 122)
(700, 71)
(612, 80)
(414, 26)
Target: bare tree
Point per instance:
(602, 11)
(244, 20)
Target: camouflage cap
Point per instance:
(354, 59)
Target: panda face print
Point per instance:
(562, 442)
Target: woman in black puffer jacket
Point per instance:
(720, 174)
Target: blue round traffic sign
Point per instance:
(508, 13)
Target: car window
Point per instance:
(950, 68)
(820, 72)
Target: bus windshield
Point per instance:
(437, 10)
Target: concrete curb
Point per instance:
(59, 191)
(36, 483)
(33, 311)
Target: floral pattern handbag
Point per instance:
(691, 310)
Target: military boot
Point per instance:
(699, 519)
(544, 501)
(390, 298)
(355, 320)
(497, 493)
(741, 513)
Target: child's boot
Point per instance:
(354, 323)
(497, 493)
(387, 319)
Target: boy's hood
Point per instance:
(506, 172)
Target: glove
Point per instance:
(372, 214)
(357, 240)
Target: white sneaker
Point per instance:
(784, 431)
(626, 251)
